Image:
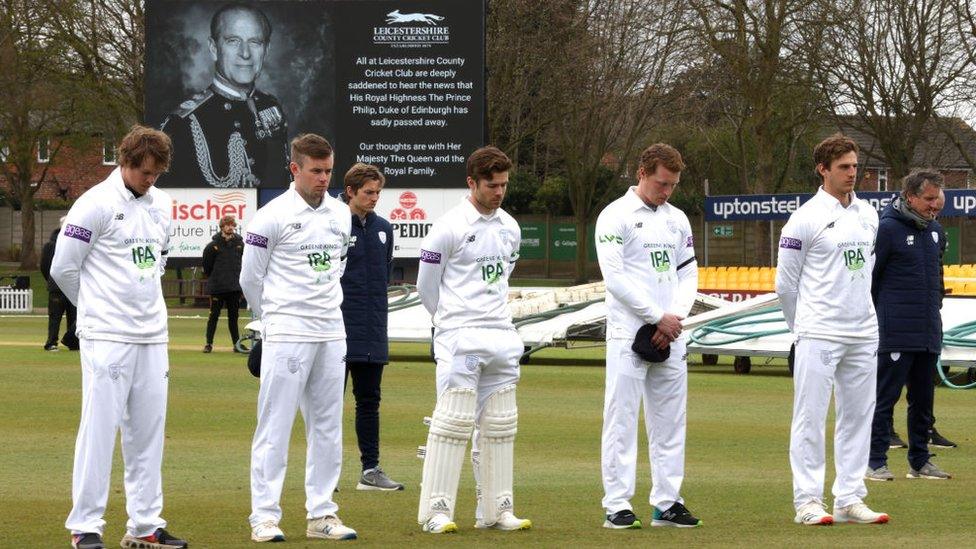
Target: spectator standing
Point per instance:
(57, 304)
(222, 265)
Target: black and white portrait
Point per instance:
(233, 82)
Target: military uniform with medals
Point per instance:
(226, 138)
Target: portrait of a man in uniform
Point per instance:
(231, 134)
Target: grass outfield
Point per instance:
(737, 471)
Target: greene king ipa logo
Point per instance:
(854, 258)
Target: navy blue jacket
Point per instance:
(364, 302)
(907, 284)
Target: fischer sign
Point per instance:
(197, 212)
(412, 213)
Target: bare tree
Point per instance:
(895, 65)
(107, 47)
(624, 55)
(523, 38)
(757, 82)
(40, 102)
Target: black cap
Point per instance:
(254, 359)
(645, 349)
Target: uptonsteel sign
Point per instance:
(197, 212)
(767, 207)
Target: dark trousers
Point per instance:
(231, 300)
(915, 370)
(59, 305)
(366, 379)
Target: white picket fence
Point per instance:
(16, 301)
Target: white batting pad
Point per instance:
(496, 447)
(450, 431)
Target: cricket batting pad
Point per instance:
(496, 448)
(450, 431)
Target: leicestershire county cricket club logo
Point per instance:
(412, 30)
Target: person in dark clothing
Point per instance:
(936, 439)
(907, 292)
(364, 312)
(57, 304)
(222, 265)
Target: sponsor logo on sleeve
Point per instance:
(430, 257)
(255, 239)
(690, 242)
(81, 233)
(790, 243)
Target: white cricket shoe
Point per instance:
(506, 521)
(267, 531)
(813, 514)
(859, 513)
(440, 524)
(328, 527)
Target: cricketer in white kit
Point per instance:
(823, 279)
(109, 260)
(294, 256)
(647, 257)
(465, 263)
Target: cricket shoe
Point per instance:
(676, 515)
(880, 474)
(622, 520)
(329, 527)
(813, 513)
(507, 522)
(376, 479)
(160, 539)
(859, 513)
(51, 347)
(267, 531)
(440, 524)
(89, 540)
(928, 471)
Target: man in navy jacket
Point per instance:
(364, 311)
(907, 292)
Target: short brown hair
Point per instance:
(142, 143)
(661, 154)
(311, 146)
(227, 220)
(485, 162)
(832, 148)
(359, 174)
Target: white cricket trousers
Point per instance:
(850, 370)
(123, 385)
(663, 388)
(309, 377)
(483, 359)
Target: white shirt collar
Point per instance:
(471, 214)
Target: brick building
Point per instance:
(80, 163)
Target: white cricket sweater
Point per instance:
(647, 257)
(465, 262)
(823, 274)
(109, 259)
(294, 256)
